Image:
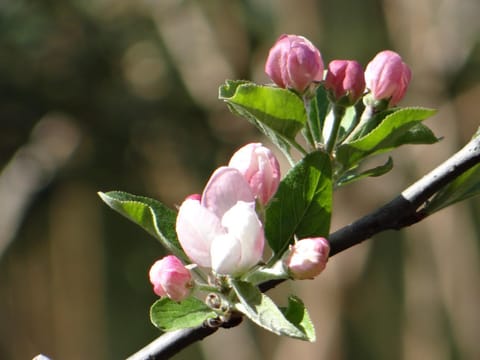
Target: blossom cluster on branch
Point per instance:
(218, 238)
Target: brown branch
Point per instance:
(404, 210)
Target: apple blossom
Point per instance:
(171, 278)
(307, 258)
(222, 230)
(345, 81)
(387, 77)
(294, 62)
(260, 168)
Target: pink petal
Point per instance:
(196, 228)
(225, 188)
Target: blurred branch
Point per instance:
(51, 144)
(404, 210)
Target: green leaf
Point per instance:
(297, 314)
(366, 127)
(150, 214)
(259, 308)
(319, 106)
(465, 186)
(350, 119)
(270, 108)
(168, 315)
(398, 128)
(302, 205)
(352, 176)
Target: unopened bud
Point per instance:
(171, 278)
(345, 81)
(307, 258)
(197, 197)
(294, 62)
(387, 77)
(260, 168)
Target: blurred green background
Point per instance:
(99, 95)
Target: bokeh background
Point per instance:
(99, 95)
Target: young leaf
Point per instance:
(352, 176)
(350, 119)
(302, 205)
(365, 127)
(279, 110)
(317, 113)
(168, 315)
(297, 314)
(150, 214)
(398, 128)
(259, 308)
(465, 186)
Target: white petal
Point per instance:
(196, 228)
(225, 253)
(225, 188)
(242, 222)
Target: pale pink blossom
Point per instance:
(345, 81)
(387, 77)
(294, 62)
(222, 230)
(307, 257)
(260, 168)
(171, 278)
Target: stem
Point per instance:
(297, 146)
(338, 113)
(207, 288)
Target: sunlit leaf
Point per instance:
(302, 205)
(150, 214)
(298, 315)
(398, 128)
(168, 315)
(319, 106)
(259, 308)
(278, 113)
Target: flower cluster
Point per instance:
(295, 63)
(346, 115)
(221, 229)
(249, 228)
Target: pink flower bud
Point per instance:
(171, 278)
(197, 197)
(308, 257)
(294, 62)
(345, 81)
(260, 168)
(387, 77)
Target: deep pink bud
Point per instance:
(294, 62)
(197, 197)
(308, 257)
(387, 77)
(345, 81)
(260, 168)
(171, 278)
